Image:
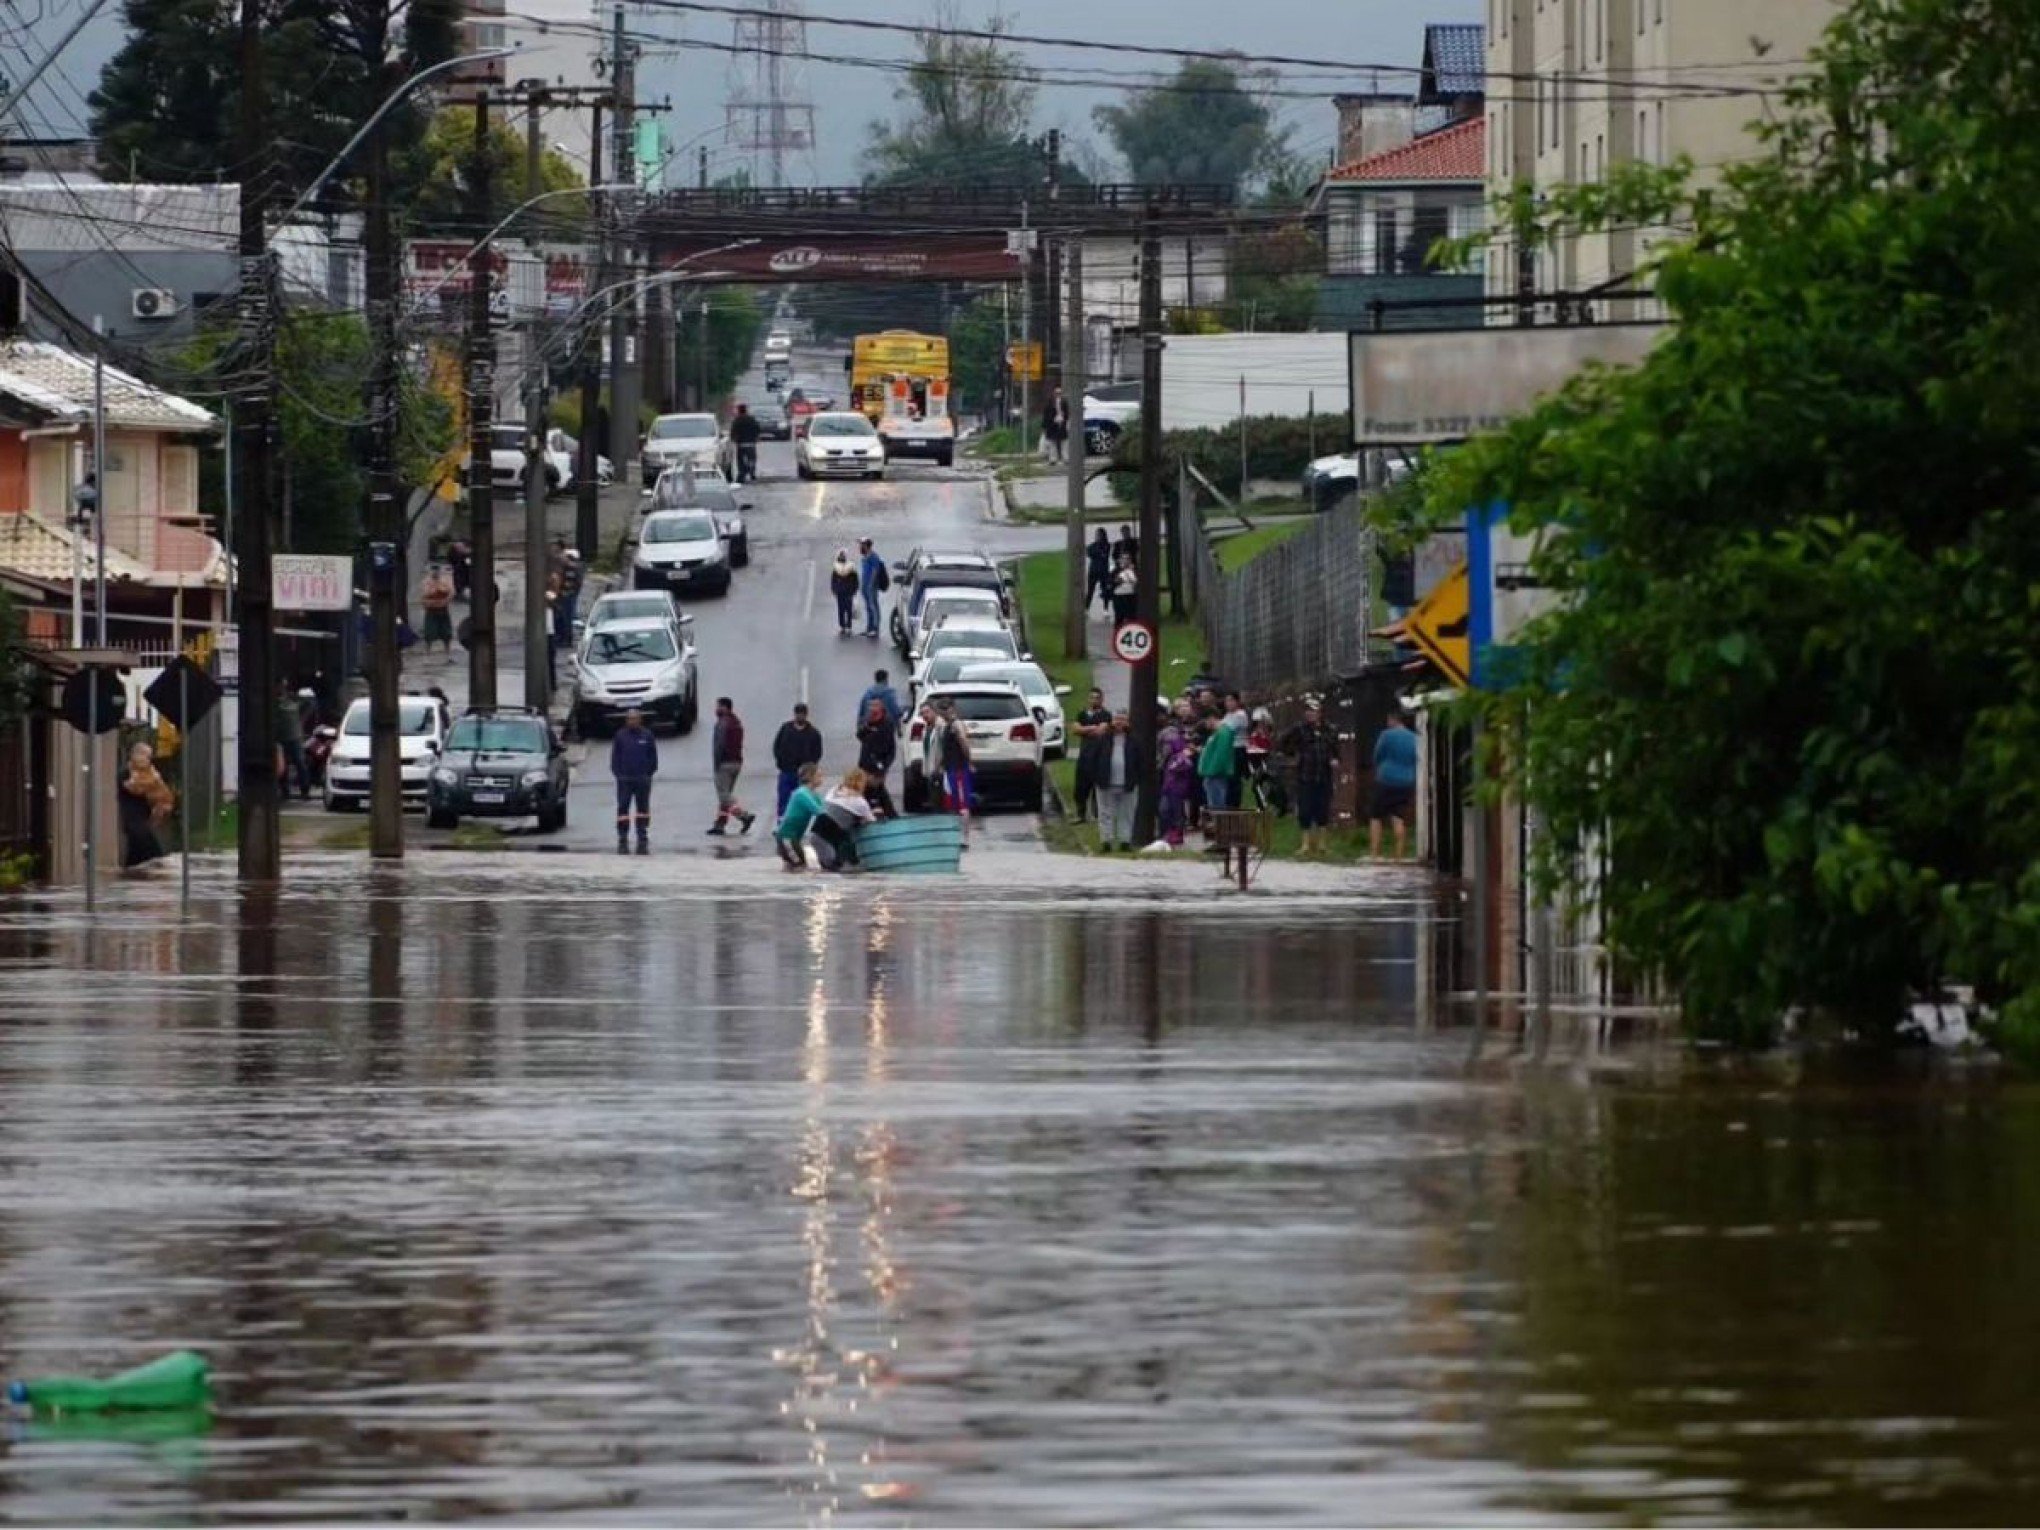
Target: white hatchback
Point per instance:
(421, 730)
(839, 444)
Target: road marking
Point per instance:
(807, 605)
(803, 685)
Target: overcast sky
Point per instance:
(847, 97)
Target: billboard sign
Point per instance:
(1416, 388)
(846, 257)
(312, 582)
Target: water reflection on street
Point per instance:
(616, 1193)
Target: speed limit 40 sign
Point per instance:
(1134, 642)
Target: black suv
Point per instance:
(502, 762)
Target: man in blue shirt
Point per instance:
(872, 577)
(633, 761)
(880, 690)
(1395, 785)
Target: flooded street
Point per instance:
(682, 1192)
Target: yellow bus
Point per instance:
(876, 359)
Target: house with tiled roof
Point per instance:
(161, 563)
(1382, 216)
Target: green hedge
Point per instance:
(1279, 447)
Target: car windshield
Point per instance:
(647, 645)
(685, 427)
(840, 425)
(709, 494)
(497, 735)
(989, 639)
(938, 607)
(987, 706)
(1028, 677)
(681, 527)
(508, 438)
(414, 720)
(611, 609)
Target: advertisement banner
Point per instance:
(312, 582)
(845, 258)
(1417, 387)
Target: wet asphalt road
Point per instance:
(773, 641)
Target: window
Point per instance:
(179, 493)
(414, 719)
(1383, 252)
(679, 526)
(649, 645)
(1427, 227)
(496, 735)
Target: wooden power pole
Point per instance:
(481, 394)
(1143, 693)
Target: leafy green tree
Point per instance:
(322, 364)
(435, 172)
(968, 106)
(977, 353)
(168, 102)
(1789, 680)
(1205, 127)
(730, 329)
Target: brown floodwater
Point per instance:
(550, 1188)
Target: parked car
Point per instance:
(945, 601)
(622, 607)
(500, 762)
(680, 550)
(508, 466)
(1005, 745)
(560, 442)
(676, 438)
(716, 496)
(926, 569)
(1043, 696)
(648, 664)
(1110, 410)
(988, 641)
(839, 444)
(421, 729)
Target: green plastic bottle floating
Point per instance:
(178, 1380)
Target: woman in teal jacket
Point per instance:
(801, 810)
(1215, 767)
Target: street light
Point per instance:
(319, 181)
(508, 218)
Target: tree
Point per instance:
(433, 176)
(977, 354)
(322, 364)
(969, 105)
(733, 321)
(1204, 127)
(1789, 681)
(167, 103)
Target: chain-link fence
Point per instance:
(1298, 615)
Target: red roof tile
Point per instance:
(1457, 153)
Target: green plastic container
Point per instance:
(178, 1380)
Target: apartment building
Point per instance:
(1575, 86)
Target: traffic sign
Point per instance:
(1024, 360)
(1439, 626)
(183, 693)
(1134, 642)
(94, 699)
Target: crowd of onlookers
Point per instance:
(1215, 754)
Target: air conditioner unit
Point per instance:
(153, 303)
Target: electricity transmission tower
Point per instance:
(767, 114)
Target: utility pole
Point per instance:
(1051, 337)
(623, 395)
(1141, 697)
(1027, 257)
(1076, 608)
(587, 492)
(537, 671)
(260, 847)
(382, 520)
(701, 167)
(656, 344)
(481, 401)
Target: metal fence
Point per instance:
(1298, 615)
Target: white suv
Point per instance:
(1005, 744)
(421, 730)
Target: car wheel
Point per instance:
(946, 458)
(690, 712)
(740, 552)
(1032, 801)
(331, 803)
(800, 468)
(549, 821)
(439, 818)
